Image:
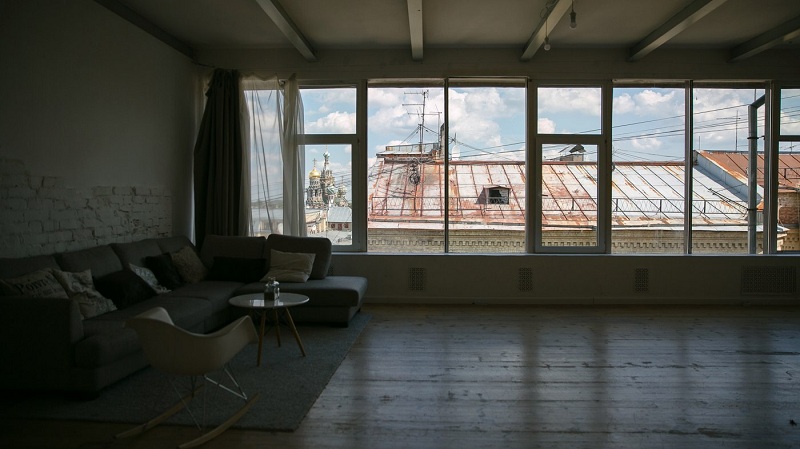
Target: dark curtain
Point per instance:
(219, 160)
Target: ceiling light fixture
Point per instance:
(572, 16)
(546, 36)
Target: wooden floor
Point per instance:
(525, 377)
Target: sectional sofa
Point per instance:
(58, 343)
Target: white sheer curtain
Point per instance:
(274, 118)
(294, 161)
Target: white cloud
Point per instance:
(546, 126)
(573, 100)
(623, 104)
(333, 123)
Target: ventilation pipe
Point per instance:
(752, 172)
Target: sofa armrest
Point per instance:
(37, 337)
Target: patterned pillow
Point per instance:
(150, 278)
(165, 271)
(189, 265)
(80, 287)
(40, 283)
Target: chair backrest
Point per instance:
(177, 351)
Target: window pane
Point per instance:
(721, 165)
(328, 199)
(405, 204)
(647, 198)
(790, 112)
(569, 110)
(487, 169)
(569, 195)
(329, 110)
(266, 166)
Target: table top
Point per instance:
(256, 301)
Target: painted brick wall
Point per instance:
(42, 215)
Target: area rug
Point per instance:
(287, 382)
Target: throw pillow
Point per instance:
(189, 265)
(149, 277)
(80, 287)
(165, 270)
(289, 267)
(40, 283)
(125, 288)
(237, 269)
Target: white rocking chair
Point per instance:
(182, 353)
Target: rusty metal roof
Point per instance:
(735, 164)
(647, 194)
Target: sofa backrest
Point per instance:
(230, 246)
(102, 260)
(173, 244)
(320, 246)
(13, 267)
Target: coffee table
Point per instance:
(256, 303)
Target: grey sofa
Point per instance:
(48, 345)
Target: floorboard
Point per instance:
(530, 376)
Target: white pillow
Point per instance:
(289, 267)
(80, 287)
(149, 277)
(40, 283)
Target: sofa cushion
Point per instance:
(40, 284)
(189, 265)
(100, 259)
(125, 288)
(320, 246)
(187, 313)
(136, 252)
(165, 271)
(216, 293)
(105, 343)
(80, 287)
(237, 269)
(333, 291)
(289, 267)
(231, 246)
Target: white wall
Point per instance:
(89, 100)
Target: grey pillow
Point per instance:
(40, 283)
(189, 265)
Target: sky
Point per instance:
(489, 122)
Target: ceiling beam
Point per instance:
(147, 26)
(780, 34)
(284, 23)
(679, 22)
(553, 15)
(415, 28)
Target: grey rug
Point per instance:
(288, 384)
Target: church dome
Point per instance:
(314, 173)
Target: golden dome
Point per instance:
(314, 173)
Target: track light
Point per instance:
(572, 17)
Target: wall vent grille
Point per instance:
(769, 280)
(416, 279)
(525, 275)
(641, 280)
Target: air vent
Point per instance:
(525, 275)
(769, 280)
(641, 280)
(416, 279)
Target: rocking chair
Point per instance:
(182, 353)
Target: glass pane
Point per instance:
(329, 110)
(569, 195)
(569, 110)
(722, 158)
(266, 166)
(405, 204)
(328, 183)
(790, 112)
(788, 235)
(487, 170)
(647, 198)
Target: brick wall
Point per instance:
(43, 215)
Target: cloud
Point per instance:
(586, 100)
(546, 126)
(333, 123)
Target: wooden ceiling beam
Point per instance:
(285, 24)
(556, 9)
(782, 33)
(678, 23)
(415, 28)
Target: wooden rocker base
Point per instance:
(207, 436)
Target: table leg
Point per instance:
(261, 336)
(277, 327)
(294, 331)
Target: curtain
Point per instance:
(221, 186)
(294, 160)
(263, 128)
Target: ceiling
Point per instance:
(744, 27)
